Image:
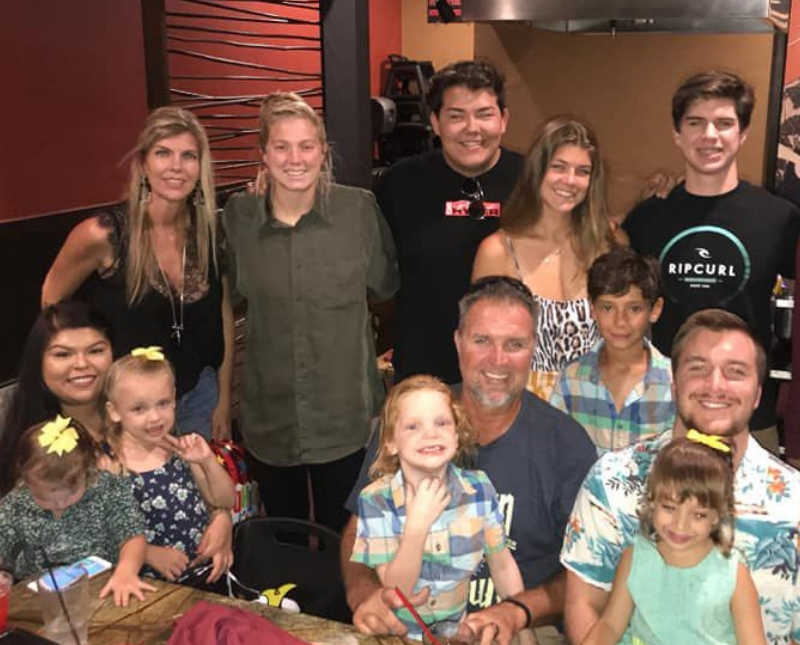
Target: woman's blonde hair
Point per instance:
(128, 364)
(590, 223)
(283, 105)
(687, 469)
(386, 463)
(141, 264)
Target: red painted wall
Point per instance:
(187, 49)
(385, 37)
(73, 103)
(76, 94)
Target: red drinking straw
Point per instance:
(416, 616)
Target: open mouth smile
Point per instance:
(432, 450)
(714, 405)
(496, 376)
(84, 380)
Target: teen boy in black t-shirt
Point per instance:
(720, 241)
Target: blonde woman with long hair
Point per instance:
(153, 268)
(553, 227)
(305, 253)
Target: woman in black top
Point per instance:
(153, 268)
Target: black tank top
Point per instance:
(149, 322)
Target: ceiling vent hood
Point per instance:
(610, 16)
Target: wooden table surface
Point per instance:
(151, 620)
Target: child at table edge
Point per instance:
(178, 483)
(684, 547)
(422, 507)
(63, 509)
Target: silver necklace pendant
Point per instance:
(176, 332)
(177, 326)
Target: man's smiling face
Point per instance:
(470, 124)
(716, 385)
(495, 345)
(710, 136)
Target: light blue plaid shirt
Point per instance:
(470, 526)
(648, 409)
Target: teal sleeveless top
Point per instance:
(680, 605)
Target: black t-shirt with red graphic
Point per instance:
(719, 251)
(424, 202)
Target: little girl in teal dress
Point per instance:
(679, 582)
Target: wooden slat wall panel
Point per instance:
(224, 56)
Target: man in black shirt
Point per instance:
(440, 205)
(720, 241)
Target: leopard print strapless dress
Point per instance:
(565, 331)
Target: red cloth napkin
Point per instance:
(209, 624)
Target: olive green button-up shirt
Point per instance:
(310, 382)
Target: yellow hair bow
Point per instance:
(709, 440)
(58, 436)
(152, 353)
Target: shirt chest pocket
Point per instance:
(336, 282)
(437, 546)
(460, 545)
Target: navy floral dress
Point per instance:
(173, 508)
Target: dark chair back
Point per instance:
(271, 552)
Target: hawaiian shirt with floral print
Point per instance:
(767, 533)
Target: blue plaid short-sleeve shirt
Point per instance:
(470, 526)
(648, 409)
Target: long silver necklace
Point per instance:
(177, 325)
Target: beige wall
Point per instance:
(623, 86)
(437, 42)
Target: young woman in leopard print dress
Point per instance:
(552, 228)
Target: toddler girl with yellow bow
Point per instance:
(63, 510)
(177, 481)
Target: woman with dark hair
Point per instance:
(153, 268)
(553, 227)
(65, 357)
(63, 367)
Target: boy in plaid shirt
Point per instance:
(424, 521)
(621, 390)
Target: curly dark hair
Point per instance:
(613, 273)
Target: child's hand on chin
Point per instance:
(426, 503)
(169, 562)
(123, 585)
